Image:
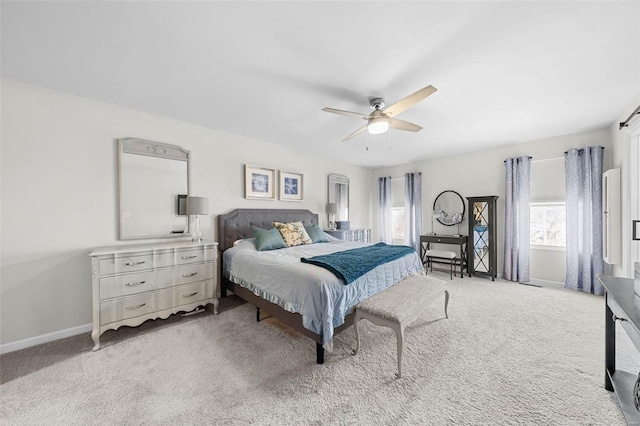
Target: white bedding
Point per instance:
(317, 294)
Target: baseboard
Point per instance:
(535, 282)
(44, 338)
(546, 283)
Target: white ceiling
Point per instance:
(505, 72)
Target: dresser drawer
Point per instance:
(126, 307)
(185, 257)
(125, 264)
(165, 278)
(194, 273)
(194, 256)
(123, 285)
(189, 293)
(134, 306)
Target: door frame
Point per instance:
(633, 207)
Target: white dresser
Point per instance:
(134, 283)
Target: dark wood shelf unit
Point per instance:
(482, 252)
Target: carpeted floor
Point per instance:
(508, 354)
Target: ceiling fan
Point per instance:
(380, 120)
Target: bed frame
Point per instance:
(236, 225)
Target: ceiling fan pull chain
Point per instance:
(389, 136)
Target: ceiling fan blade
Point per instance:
(347, 113)
(394, 123)
(406, 103)
(356, 133)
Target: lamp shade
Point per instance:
(197, 205)
(332, 208)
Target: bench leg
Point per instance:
(446, 303)
(451, 270)
(399, 328)
(356, 320)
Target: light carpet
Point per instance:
(508, 354)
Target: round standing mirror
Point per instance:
(448, 208)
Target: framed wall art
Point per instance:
(259, 182)
(291, 186)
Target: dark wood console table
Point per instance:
(460, 240)
(620, 306)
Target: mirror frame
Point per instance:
(339, 179)
(435, 202)
(150, 149)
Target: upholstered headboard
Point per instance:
(237, 223)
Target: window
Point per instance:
(548, 224)
(398, 221)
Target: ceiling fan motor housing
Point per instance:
(376, 103)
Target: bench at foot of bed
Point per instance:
(400, 305)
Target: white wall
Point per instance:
(59, 198)
(482, 173)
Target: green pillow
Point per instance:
(316, 234)
(268, 239)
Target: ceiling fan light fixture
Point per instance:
(378, 125)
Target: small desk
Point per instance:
(427, 240)
(621, 302)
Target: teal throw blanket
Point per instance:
(349, 265)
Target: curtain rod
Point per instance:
(626, 122)
(530, 157)
(582, 149)
(547, 159)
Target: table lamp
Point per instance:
(197, 206)
(332, 209)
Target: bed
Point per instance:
(307, 298)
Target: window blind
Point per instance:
(397, 192)
(547, 180)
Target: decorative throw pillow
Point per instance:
(316, 234)
(293, 233)
(268, 239)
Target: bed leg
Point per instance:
(319, 353)
(257, 314)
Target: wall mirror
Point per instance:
(448, 208)
(153, 180)
(339, 194)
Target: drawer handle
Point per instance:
(135, 283)
(131, 308)
(615, 318)
(135, 263)
(190, 257)
(190, 295)
(190, 275)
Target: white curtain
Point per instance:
(413, 209)
(516, 233)
(384, 210)
(583, 170)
